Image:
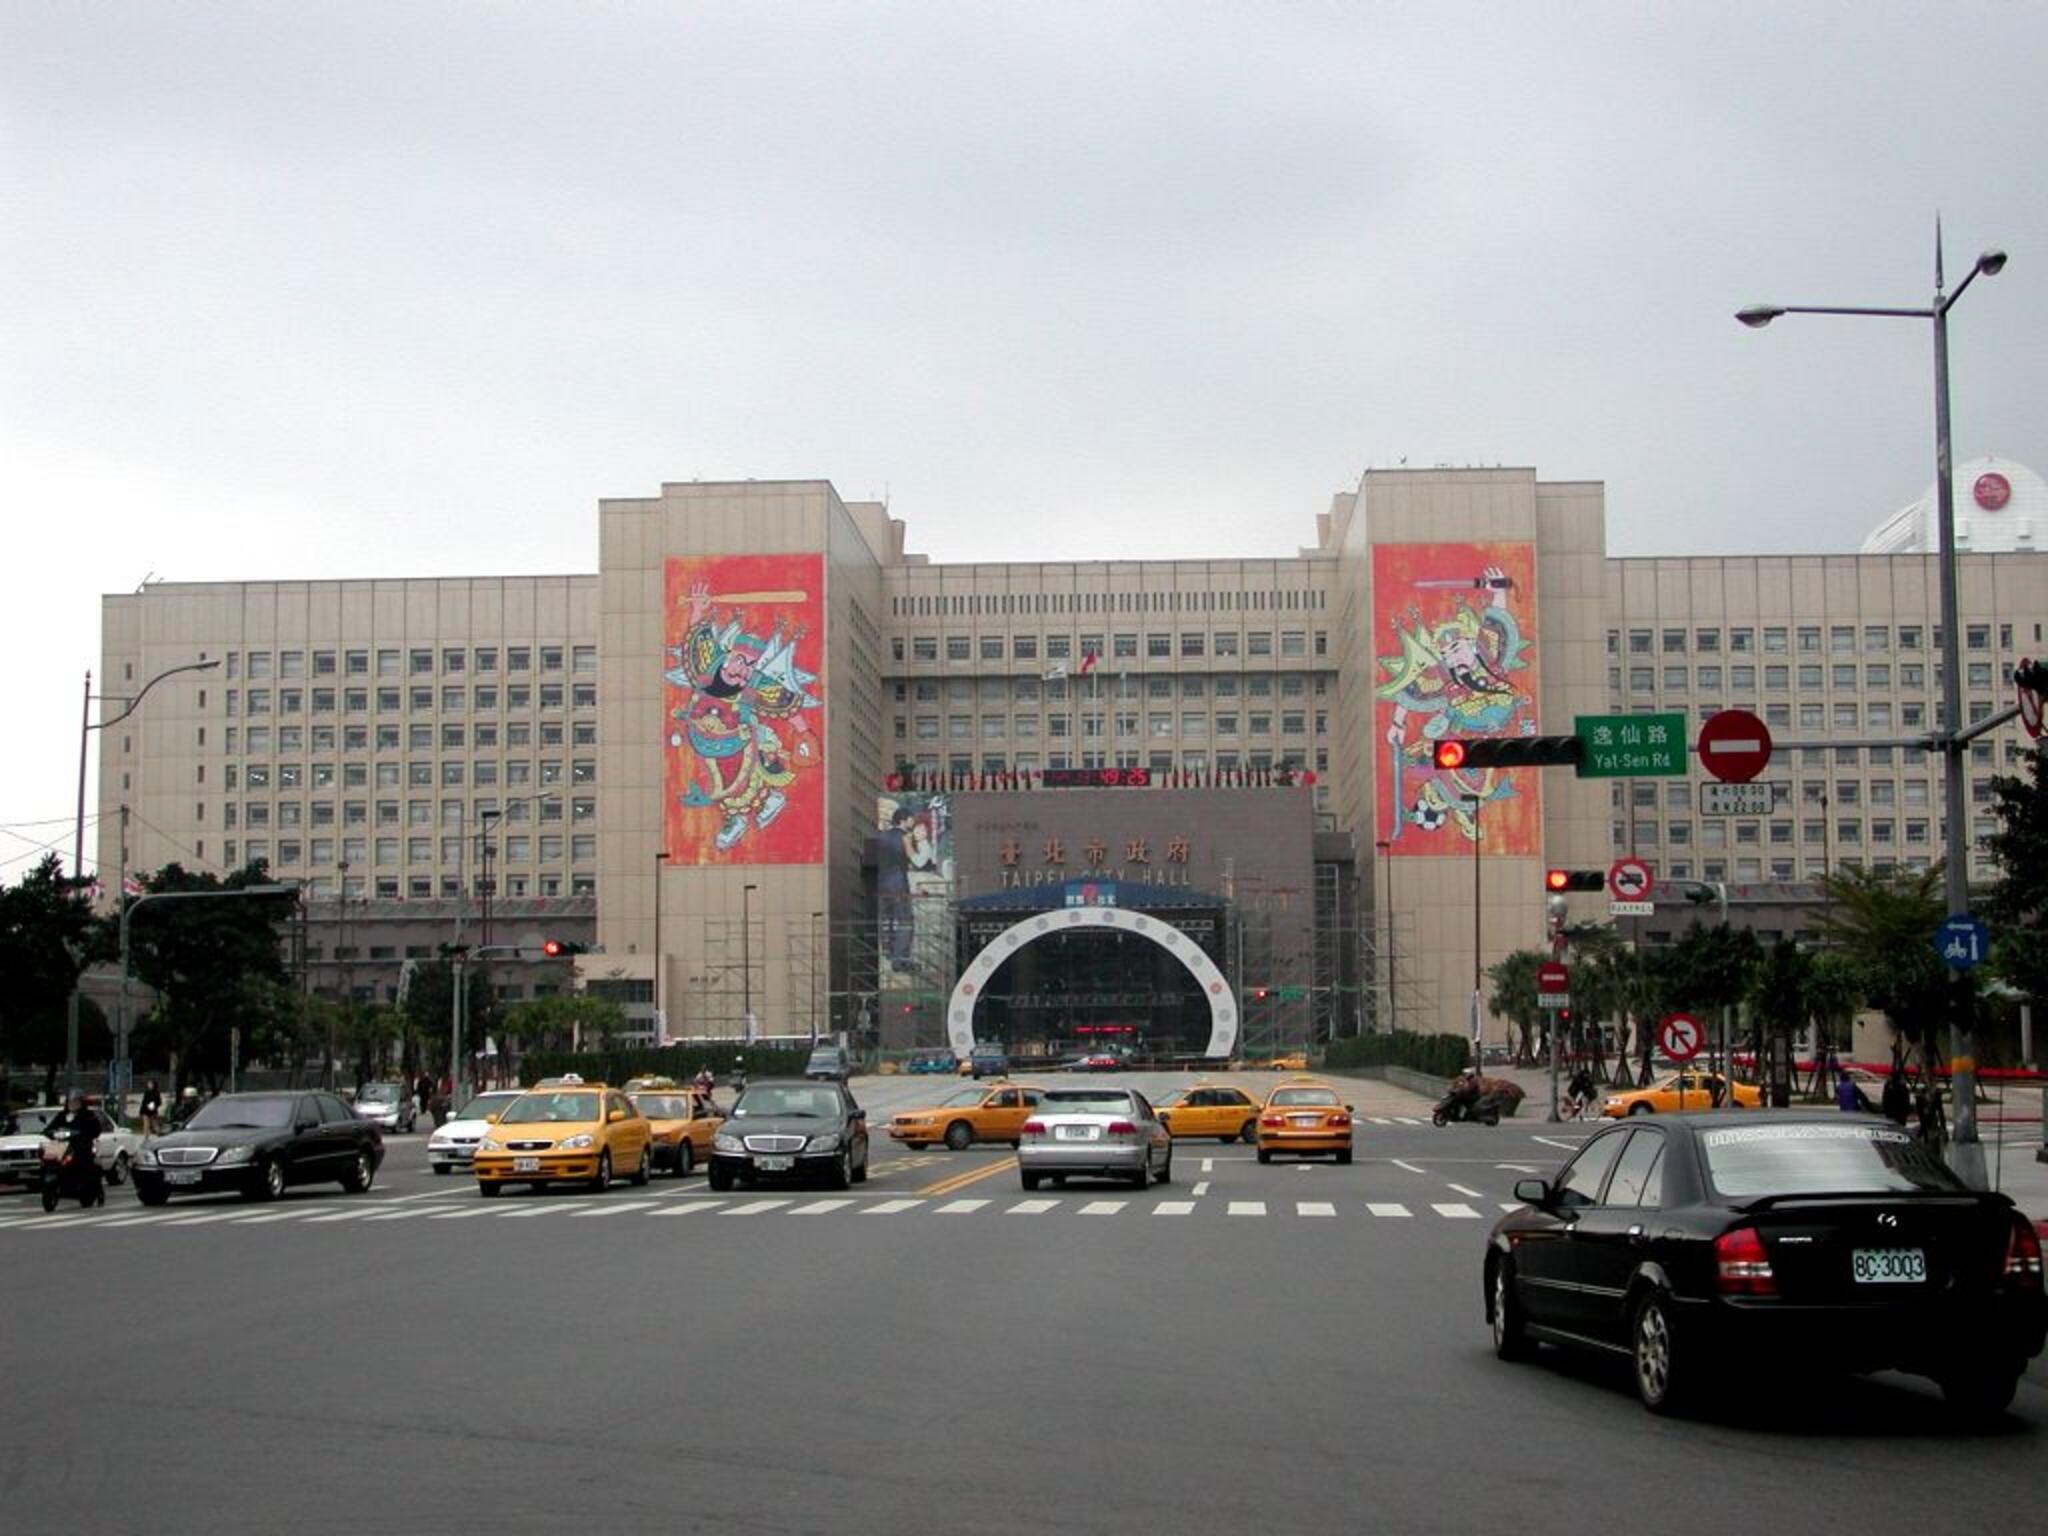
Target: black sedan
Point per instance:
(258, 1145)
(1726, 1242)
(788, 1128)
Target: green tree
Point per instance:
(430, 1005)
(1514, 996)
(565, 1021)
(2016, 904)
(47, 934)
(1883, 923)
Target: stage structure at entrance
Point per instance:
(974, 977)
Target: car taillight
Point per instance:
(1033, 1128)
(1741, 1264)
(1340, 1121)
(1122, 1128)
(2023, 1256)
(1272, 1120)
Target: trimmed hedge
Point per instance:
(1439, 1055)
(680, 1062)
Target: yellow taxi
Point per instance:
(993, 1112)
(1211, 1109)
(1306, 1117)
(681, 1123)
(565, 1131)
(1682, 1091)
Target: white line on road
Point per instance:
(632, 1205)
(961, 1207)
(1406, 1120)
(466, 1211)
(1200, 1189)
(1314, 1208)
(1563, 1146)
(1379, 1120)
(1103, 1207)
(891, 1207)
(819, 1207)
(691, 1209)
(1386, 1208)
(1469, 1194)
(754, 1207)
(1247, 1208)
(313, 1221)
(1409, 1166)
(1031, 1207)
(1456, 1209)
(1173, 1208)
(1208, 1165)
(395, 1215)
(1511, 1205)
(1516, 1167)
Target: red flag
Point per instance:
(1088, 660)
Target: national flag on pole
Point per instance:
(1057, 671)
(1088, 660)
(130, 886)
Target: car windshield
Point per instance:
(378, 1093)
(824, 1059)
(778, 1099)
(1079, 1101)
(485, 1104)
(551, 1109)
(238, 1114)
(1812, 1159)
(663, 1106)
(33, 1120)
(1321, 1097)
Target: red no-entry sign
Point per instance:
(1735, 746)
(1551, 976)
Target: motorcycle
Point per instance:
(65, 1174)
(1484, 1110)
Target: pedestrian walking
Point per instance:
(1849, 1098)
(1896, 1100)
(152, 1108)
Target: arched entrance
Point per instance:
(974, 978)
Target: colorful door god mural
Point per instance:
(1454, 638)
(743, 709)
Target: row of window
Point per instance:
(419, 660)
(1750, 870)
(263, 740)
(1293, 722)
(509, 885)
(452, 699)
(384, 852)
(1839, 638)
(1882, 831)
(1120, 685)
(1189, 645)
(1198, 762)
(417, 813)
(1779, 678)
(971, 604)
(450, 770)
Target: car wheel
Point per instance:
(1248, 1133)
(646, 1169)
(150, 1195)
(959, 1136)
(1030, 1180)
(489, 1189)
(1511, 1339)
(860, 1169)
(1664, 1379)
(1344, 1156)
(686, 1158)
(118, 1174)
(1143, 1177)
(1165, 1175)
(269, 1183)
(720, 1177)
(1979, 1393)
(1641, 1107)
(441, 1167)
(1265, 1154)
(603, 1181)
(840, 1175)
(361, 1174)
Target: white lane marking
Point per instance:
(533, 1210)
(1103, 1207)
(152, 1219)
(1515, 1167)
(691, 1209)
(1511, 1205)
(1406, 1120)
(1457, 1209)
(961, 1207)
(754, 1207)
(1208, 1165)
(270, 1216)
(1386, 1208)
(1409, 1166)
(313, 1221)
(1469, 1194)
(615, 1208)
(1379, 1120)
(1173, 1208)
(200, 1221)
(1200, 1189)
(1247, 1208)
(819, 1207)
(1314, 1208)
(891, 1207)
(1562, 1146)
(410, 1211)
(468, 1210)
(1030, 1207)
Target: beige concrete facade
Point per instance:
(383, 724)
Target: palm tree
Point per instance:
(1781, 994)
(1514, 996)
(1883, 923)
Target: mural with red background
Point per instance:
(743, 709)
(1454, 646)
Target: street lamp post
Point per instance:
(458, 1008)
(1386, 853)
(1967, 1155)
(660, 1028)
(86, 725)
(817, 931)
(1473, 801)
(747, 960)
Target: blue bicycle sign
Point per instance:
(1962, 942)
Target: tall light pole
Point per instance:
(86, 726)
(747, 960)
(817, 931)
(1474, 802)
(1967, 1154)
(660, 1028)
(1386, 853)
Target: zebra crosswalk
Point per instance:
(217, 1219)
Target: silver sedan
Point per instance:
(1109, 1133)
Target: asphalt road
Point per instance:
(1247, 1349)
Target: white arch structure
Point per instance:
(967, 991)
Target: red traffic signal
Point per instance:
(1511, 752)
(1560, 880)
(556, 949)
(1450, 754)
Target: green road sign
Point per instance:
(1291, 994)
(1631, 746)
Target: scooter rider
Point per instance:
(1580, 1089)
(79, 1129)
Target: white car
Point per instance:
(21, 1151)
(1101, 1133)
(388, 1106)
(453, 1144)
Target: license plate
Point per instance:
(1306, 1119)
(1881, 1266)
(774, 1164)
(526, 1165)
(181, 1176)
(1077, 1133)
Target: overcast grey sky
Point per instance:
(321, 290)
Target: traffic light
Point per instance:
(1510, 752)
(557, 949)
(1258, 994)
(1573, 880)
